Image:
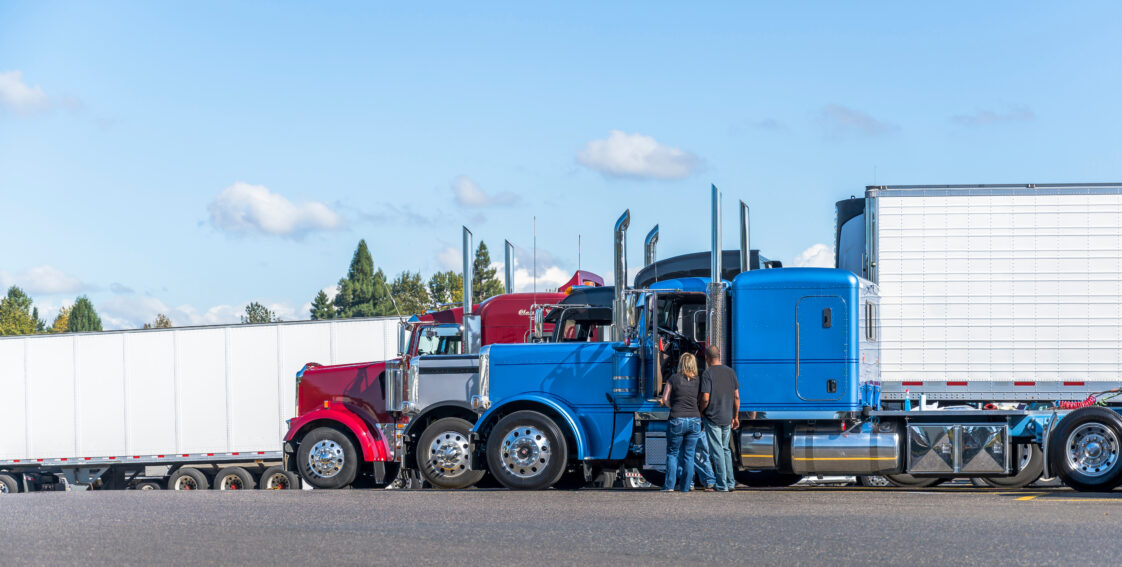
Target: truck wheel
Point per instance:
(1084, 449)
(233, 478)
(1030, 465)
(8, 485)
(276, 478)
(765, 479)
(655, 478)
(909, 481)
(444, 454)
(526, 451)
(327, 458)
(188, 479)
(148, 485)
(873, 481)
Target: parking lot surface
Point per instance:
(795, 526)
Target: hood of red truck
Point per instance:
(359, 386)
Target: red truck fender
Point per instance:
(373, 444)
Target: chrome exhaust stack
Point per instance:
(471, 327)
(745, 241)
(650, 243)
(619, 304)
(715, 290)
(509, 268)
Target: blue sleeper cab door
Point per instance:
(820, 368)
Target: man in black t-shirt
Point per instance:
(720, 407)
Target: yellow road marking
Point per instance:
(1029, 497)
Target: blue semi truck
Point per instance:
(804, 342)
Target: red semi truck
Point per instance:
(348, 426)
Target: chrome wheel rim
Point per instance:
(876, 480)
(277, 481)
(1092, 449)
(186, 483)
(147, 486)
(448, 454)
(231, 482)
(526, 451)
(3, 488)
(325, 460)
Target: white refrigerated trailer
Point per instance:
(991, 293)
(182, 408)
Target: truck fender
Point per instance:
(372, 444)
(455, 408)
(538, 401)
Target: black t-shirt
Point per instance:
(683, 396)
(721, 384)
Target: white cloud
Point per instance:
(988, 117)
(469, 194)
(450, 258)
(841, 120)
(133, 311)
(18, 96)
(243, 208)
(817, 256)
(636, 156)
(43, 279)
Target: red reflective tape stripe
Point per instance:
(186, 455)
(261, 452)
(911, 383)
(112, 458)
(208, 454)
(16, 461)
(1073, 383)
(159, 456)
(1024, 383)
(956, 383)
(87, 458)
(233, 453)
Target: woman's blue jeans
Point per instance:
(681, 443)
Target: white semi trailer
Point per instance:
(992, 293)
(181, 408)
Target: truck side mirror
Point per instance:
(539, 323)
(699, 325)
(401, 338)
(632, 310)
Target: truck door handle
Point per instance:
(831, 386)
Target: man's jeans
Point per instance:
(681, 442)
(702, 465)
(720, 454)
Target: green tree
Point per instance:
(446, 287)
(83, 317)
(321, 307)
(484, 282)
(17, 317)
(408, 290)
(61, 320)
(257, 313)
(162, 322)
(363, 292)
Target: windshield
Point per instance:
(433, 340)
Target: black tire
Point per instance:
(188, 479)
(148, 485)
(909, 481)
(8, 485)
(1031, 461)
(765, 479)
(444, 454)
(654, 477)
(335, 463)
(526, 451)
(233, 478)
(276, 478)
(572, 480)
(1084, 449)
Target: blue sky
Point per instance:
(192, 157)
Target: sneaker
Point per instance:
(710, 489)
(666, 490)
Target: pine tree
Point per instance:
(484, 282)
(321, 307)
(363, 292)
(409, 292)
(257, 313)
(16, 314)
(83, 317)
(445, 288)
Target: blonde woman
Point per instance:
(680, 395)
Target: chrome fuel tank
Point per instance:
(865, 449)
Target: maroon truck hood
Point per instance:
(358, 386)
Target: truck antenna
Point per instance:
(535, 257)
(578, 252)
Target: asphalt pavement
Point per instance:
(794, 526)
